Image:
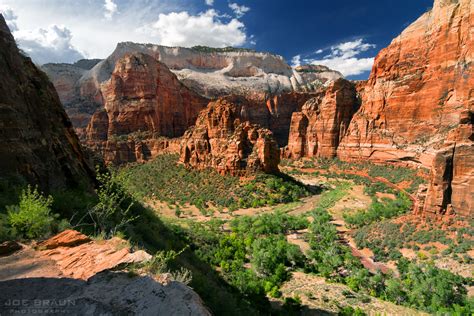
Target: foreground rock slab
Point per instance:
(107, 293)
(70, 274)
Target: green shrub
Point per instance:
(113, 210)
(377, 211)
(5, 229)
(350, 311)
(273, 253)
(32, 217)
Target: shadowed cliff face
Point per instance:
(37, 140)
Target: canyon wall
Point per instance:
(37, 139)
(317, 130)
(223, 140)
(143, 103)
(416, 109)
(417, 106)
(210, 72)
(451, 187)
(417, 89)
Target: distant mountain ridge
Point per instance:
(211, 72)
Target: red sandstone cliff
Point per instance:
(37, 140)
(417, 89)
(144, 102)
(223, 141)
(317, 130)
(451, 187)
(416, 109)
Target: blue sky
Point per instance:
(343, 34)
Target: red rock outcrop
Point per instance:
(37, 140)
(79, 257)
(223, 141)
(317, 130)
(451, 188)
(75, 276)
(417, 89)
(271, 111)
(144, 101)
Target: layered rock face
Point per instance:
(223, 141)
(144, 101)
(317, 130)
(417, 89)
(37, 140)
(451, 188)
(211, 72)
(214, 72)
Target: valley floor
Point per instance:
(341, 196)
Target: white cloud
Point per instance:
(343, 57)
(296, 61)
(10, 17)
(52, 44)
(206, 28)
(110, 9)
(239, 10)
(210, 2)
(350, 49)
(95, 36)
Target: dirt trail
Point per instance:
(355, 198)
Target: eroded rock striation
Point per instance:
(211, 72)
(143, 102)
(451, 187)
(37, 139)
(222, 139)
(317, 130)
(418, 87)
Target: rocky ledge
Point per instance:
(70, 274)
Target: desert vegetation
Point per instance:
(165, 180)
(247, 259)
(386, 238)
(378, 210)
(335, 167)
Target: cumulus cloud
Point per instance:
(51, 44)
(10, 17)
(206, 28)
(210, 2)
(110, 9)
(239, 10)
(343, 57)
(296, 61)
(93, 35)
